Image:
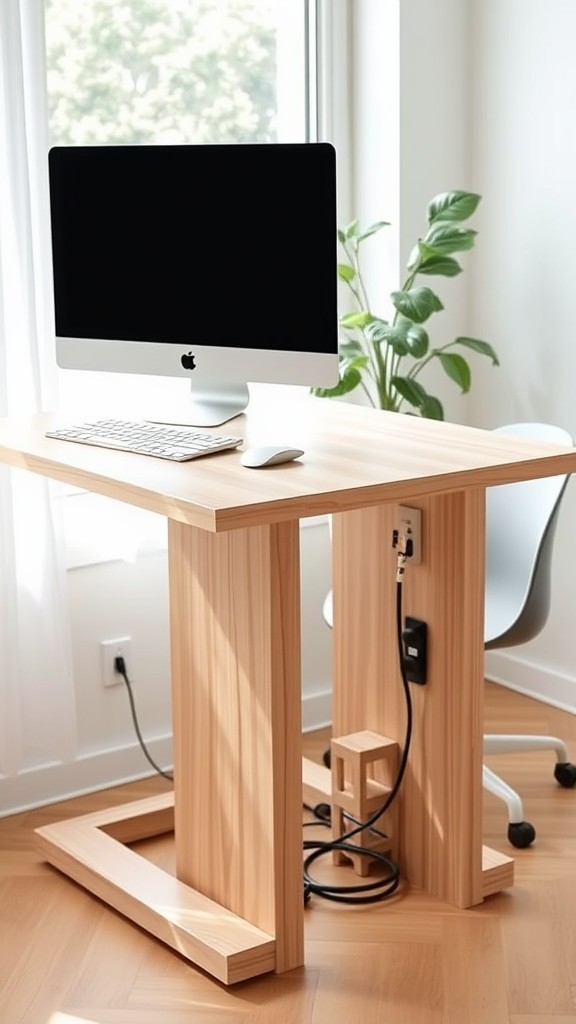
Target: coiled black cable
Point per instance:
(385, 887)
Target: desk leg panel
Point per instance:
(441, 798)
(235, 641)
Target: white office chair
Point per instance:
(520, 525)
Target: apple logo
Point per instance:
(188, 361)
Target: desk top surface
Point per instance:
(354, 457)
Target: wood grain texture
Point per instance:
(234, 596)
(440, 828)
(235, 625)
(354, 458)
(66, 957)
(196, 927)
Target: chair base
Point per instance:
(520, 832)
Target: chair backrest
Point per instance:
(520, 526)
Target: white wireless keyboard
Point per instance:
(143, 438)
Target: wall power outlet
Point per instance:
(109, 651)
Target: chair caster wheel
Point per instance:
(521, 834)
(327, 760)
(565, 774)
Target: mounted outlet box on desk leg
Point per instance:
(409, 530)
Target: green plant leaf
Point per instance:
(446, 238)
(354, 231)
(405, 337)
(417, 341)
(346, 272)
(353, 361)
(372, 229)
(483, 347)
(424, 255)
(452, 206)
(350, 231)
(445, 266)
(431, 408)
(394, 335)
(413, 259)
(457, 369)
(360, 319)
(417, 304)
(351, 348)
(411, 391)
(350, 378)
(377, 330)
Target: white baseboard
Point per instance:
(52, 783)
(534, 680)
(317, 710)
(104, 769)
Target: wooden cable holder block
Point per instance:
(357, 794)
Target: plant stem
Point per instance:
(378, 370)
(396, 358)
(415, 370)
(359, 293)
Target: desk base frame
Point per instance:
(92, 850)
(235, 907)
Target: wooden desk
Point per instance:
(236, 907)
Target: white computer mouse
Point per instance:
(269, 455)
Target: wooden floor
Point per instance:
(66, 958)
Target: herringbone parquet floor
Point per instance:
(66, 958)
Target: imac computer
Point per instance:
(215, 263)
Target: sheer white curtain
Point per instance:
(37, 715)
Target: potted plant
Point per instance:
(386, 357)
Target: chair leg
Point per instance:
(511, 743)
(504, 743)
(520, 833)
(495, 785)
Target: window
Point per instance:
(176, 71)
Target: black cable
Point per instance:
(382, 888)
(120, 668)
(370, 892)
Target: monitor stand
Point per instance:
(206, 406)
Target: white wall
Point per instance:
(412, 140)
(436, 150)
(485, 102)
(524, 96)
(128, 597)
